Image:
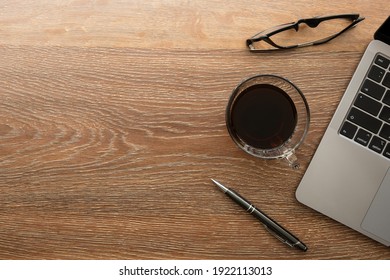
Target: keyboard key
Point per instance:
(373, 89)
(386, 153)
(348, 130)
(386, 99)
(368, 104)
(386, 81)
(377, 144)
(363, 137)
(385, 114)
(382, 61)
(385, 132)
(376, 73)
(364, 120)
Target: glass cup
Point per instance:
(268, 117)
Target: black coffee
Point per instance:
(263, 116)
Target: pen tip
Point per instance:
(215, 181)
(222, 187)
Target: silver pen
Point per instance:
(273, 227)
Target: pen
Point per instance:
(273, 227)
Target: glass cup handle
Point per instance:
(292, 160)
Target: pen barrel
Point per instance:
(274, 227)
(271, 225)
(239, 200)
(278, 231)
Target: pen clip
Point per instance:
(278, 236)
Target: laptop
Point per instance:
(348, 178)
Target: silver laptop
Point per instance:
(348, 178)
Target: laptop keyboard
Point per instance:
(368, 120)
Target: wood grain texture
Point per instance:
(112, 122)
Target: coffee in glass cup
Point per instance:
(268, 117)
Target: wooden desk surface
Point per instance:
(112, 124)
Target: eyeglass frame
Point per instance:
(311, 22)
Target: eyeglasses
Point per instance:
(297, 34)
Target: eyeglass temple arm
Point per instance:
(314, 22)
(327, 39)
(249, 43)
